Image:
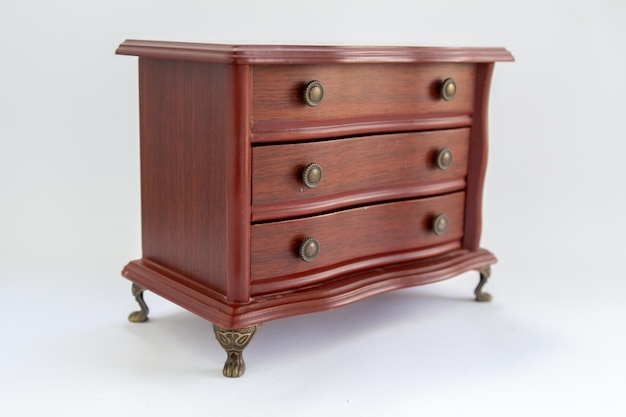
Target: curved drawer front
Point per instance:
(364, 168)
(359, 236)
(359, 90)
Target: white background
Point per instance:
(551, 343)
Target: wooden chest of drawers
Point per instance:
(283, 180)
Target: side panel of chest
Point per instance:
(195, 170)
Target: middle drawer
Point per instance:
(298, 179)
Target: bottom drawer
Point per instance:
(295, 253)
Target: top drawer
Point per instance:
(359, 91)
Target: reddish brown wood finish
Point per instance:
(477, 159)
(307, 54)
(359, 90)
(206, 247)
(279, 131)
(336, 293)
(194, 172)
(355, 171)
(348, 237)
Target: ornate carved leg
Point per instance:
(141, 315)
(234, 341)
(485, 272)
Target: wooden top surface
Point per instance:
(293, 54)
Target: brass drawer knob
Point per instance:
(309, 249)
(440, 224)
(313, 93)
(448, 89)
(444, 159)
(312, 175)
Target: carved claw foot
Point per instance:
(234, 341)
(485, 272)
(141, 315)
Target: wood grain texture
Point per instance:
(353, 170)
(224, 137)
(293, 131)
(307, 54)
(336, 293)
(477, 158)
(194, 170)
(359, 90)
(347, 236)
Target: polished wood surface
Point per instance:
(296, 131)
(355, 171)
(307, 54)
(225, 135)
(359, 90)
(348, 236)
(185, 227)
(477, 159)
(336, 293)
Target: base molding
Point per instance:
(341, 291)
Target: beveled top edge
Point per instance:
(292, 54)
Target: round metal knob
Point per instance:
(440, 224)
(444, 158)
(448, 89)
(313, 93)
(309, 249)
(312, 175)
